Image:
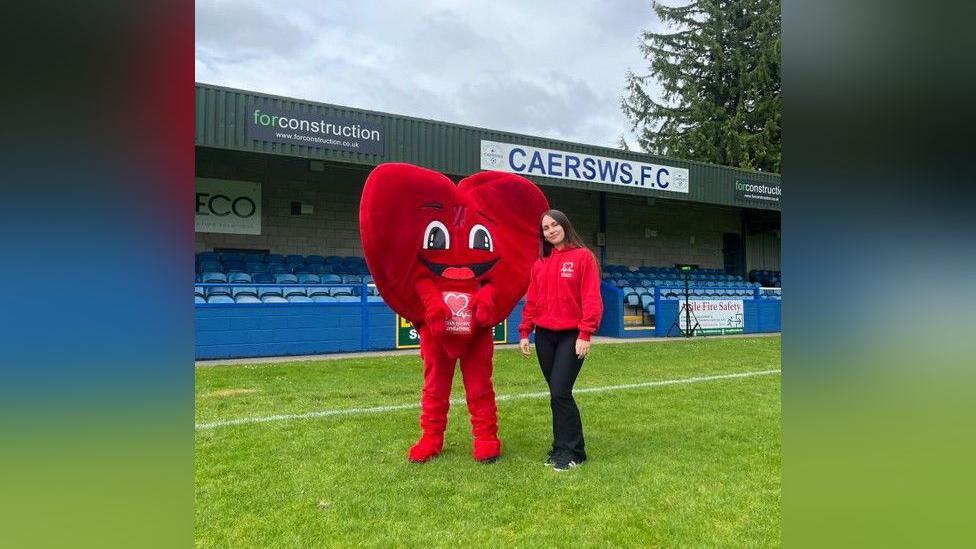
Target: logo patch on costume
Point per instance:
(567, 270)
(460, 321)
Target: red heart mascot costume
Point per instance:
(453, 260)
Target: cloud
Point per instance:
(541, 68)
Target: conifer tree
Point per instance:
(719, 73)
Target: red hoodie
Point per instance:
(564, 293)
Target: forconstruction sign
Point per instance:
(528, 161)
(268, 123)
(755, 192)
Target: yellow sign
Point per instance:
(407, 337)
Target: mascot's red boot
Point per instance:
(453, 260)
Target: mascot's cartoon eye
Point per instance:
(480, 239)
(436, 237)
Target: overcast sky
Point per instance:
(544, 67)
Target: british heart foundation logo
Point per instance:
(460, 321)
(567, 270)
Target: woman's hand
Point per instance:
(582, 348)
(524, 346)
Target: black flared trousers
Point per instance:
(560, 366)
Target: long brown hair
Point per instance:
(569, 233)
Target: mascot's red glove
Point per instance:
(454, 260)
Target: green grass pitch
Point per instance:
(682, 465)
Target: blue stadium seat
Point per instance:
(212, 266)
(331, 279)
(374, 299)
(645, 299)
(302, 269)
(217, 290)
(200, 291)
(286, 278)
(289, 291)
(253, 267)
(351, 279)
(323, 299)
(347, 299)
(341, 291)
(233, 257)
(262, 278)
(627, 290)
(640, 290)
(332, 260)
(273, 299)
(254, 257)
(309, 279)
(274, 258)
(319, 269)
(268, 292)
(208, 256)
(298, 299)
(233, 267)
(278, 268)
(198, 299)
(317, 290)
(244, 290)
(239, 278)
(220, 299)
(632, 299)
(294, 259)
(314, 260)
(246, 299)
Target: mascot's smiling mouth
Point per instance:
(459, 272)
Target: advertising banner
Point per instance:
(224, 206)
(752, 192)
(716, 316)
(529, 161)
(407, 337)
(269, 123)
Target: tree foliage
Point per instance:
(719, 76)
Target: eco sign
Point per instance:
(228, 206)
(717, 316)
(407, 336)
(524, 160)
(268, 123)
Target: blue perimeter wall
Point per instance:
(759, 315)
(762, 315)
(242, 330)
(238, 330)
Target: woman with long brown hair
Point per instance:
(564, 307)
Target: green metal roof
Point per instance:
(449, 148)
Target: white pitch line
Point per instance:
(457, 401)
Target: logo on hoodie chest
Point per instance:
(566, 271)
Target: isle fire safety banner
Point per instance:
(224, 206)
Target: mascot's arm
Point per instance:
(484, 305)
(435, 311)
